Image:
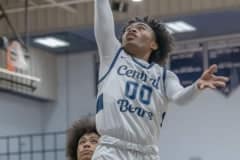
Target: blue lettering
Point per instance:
(122, 68)
(130, 73)
(131, 109)
(150, 115)
(140, 112)
(125, 106)
(155, 82)
(124, 71)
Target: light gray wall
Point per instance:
(208, 128)
(19, 115)
(44, 66)
(76, 91)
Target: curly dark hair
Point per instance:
(79, 128)
(163, 38)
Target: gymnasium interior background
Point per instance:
(33, 121)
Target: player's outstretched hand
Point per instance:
(209, 80)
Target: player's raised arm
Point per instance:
(181, 96)
(104, 30)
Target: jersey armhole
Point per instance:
(111, 66)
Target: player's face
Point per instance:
(139, 35)
(86, 146)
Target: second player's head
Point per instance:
(82, 139)
(148, 37)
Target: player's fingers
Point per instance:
(212, 86)
(219, 84)
(207, 85)
(220, 78)
(201, 86)
(212, 69)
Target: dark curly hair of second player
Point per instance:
(79, 128)
(164, 39)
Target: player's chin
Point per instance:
(85, 157)
(130, 44)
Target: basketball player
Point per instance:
(82, 139)
(134, 89)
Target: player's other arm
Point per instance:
(104, 30)
(180, 95)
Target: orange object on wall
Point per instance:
(10, 61)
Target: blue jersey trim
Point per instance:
(111, 66)
(99, 103)
(164, 79)
(141, 64)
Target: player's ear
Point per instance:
(154, 45)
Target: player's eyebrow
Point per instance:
(142, 24)
(137, 24)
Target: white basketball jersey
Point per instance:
(131, 102)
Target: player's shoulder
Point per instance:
(171, 75)
(159, 69)
(163, 70)
(170, 72)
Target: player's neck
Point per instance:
(143, 57)
(138, 53)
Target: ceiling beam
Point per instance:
(31, 2)
(63, 6)
(44, 6)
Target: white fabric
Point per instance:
(111, 148)
(133, 101)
